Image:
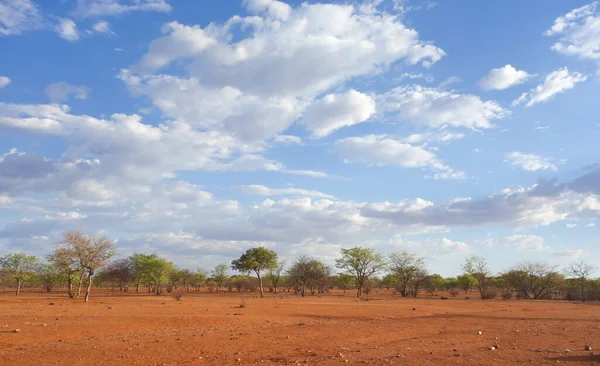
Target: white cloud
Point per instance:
(287, 139)
(18, 16)
(335, 111)
(556, 82)
(67, 29)
(591, 224)
(61, 91)
(579, 32)
(571, 226)
(503, 78)
(448, 245)
(519, 242)
(380, 150)
(261, 190)
(4, 81)
(102, 27)
(572, 253)
(530, 162)
(411, 76)
(434, 107)
(96, 8)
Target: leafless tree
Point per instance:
(582, 272)
(533, 280)
(478, 268)
(274, 274)
(406, 268)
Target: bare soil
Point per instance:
(143, 329)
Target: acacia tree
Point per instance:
(49, 274)
(533, 280)
(307, 273)
(275, 273)
(20, 267)
(158, 271)
(198, 279)
(478, 268)
(582, 272)
(465, 282)
(344, 281)
(140, 267)
(219, 275)
(405, 268)
(257, 260)
(360, 263)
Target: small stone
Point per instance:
(567, 350)
(44, 325)
(16, 330)
(588, 347)
(238, 359)
(480, 332)
(340, 355)
(110, 308)
(492, 348)
(456, 353)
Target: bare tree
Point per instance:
(582, 272)
(478, 268)
(308, 273)
(83, 253)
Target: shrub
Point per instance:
(507, 295)
(453, 292)
(242, 303)
(489, 295)
(178, 295)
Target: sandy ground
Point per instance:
(329, 330)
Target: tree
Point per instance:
(20, 267)
(405, 267)
(360, 263)
(49, 274)
(478, 268)
(582, 272)
(158, 271)
(219, 275)
(344, 281)
(308, 273)
(533, 280)
(465, 282)
(119, 273)
(258, 260)
(198, 279)
(275, 273)
(63, 259)
(140, 267)
(89, 252)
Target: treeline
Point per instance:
(83, 261)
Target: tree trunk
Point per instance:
(80, 285)
(70, 282)
(260, 284)
(157, 290)
(359, 291)
(89, 289)
(18, 288)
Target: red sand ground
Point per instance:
(211, 329)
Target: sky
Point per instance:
(199, 129)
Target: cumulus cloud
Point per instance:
(503, 78)
(530, 162)
(382, 150)
(555, 83)
(67, 29)
(260, 190)
(578, 32)
(102, 27)
(18, 16)
(62, 91)
(96, 8)
(519, 242)
(434, 107)
(4, 81)
(335, 111)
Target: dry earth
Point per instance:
(115, 329)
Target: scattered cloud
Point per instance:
(67, 29)
(335, 111)
(578, 32)
(287, 140)
(102, 27)
(503, 78)
(61, 91)
(530, 162)
(19, 16)
(566, 254)
(4, 81)
(434, 107)
(555, 83)
(261, 190)
(519, 242)
(97, 8)
(571, 226)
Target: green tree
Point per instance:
(19, 266)
(199, 279)
(256, 260)
(407, 269)
(159, 270)
(140, 267)
(360, 263)
(344, 281)
(219, 275)
(466, 282)
(49, 274)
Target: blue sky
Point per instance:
(198, 129)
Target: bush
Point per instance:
(489, 295)
(177, 295)
(242, 303)
(453, 292)
(507, 295)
